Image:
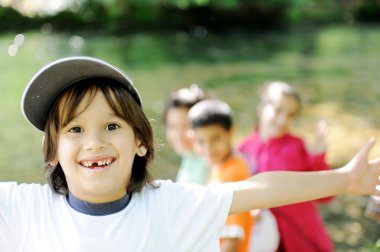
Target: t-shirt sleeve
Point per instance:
(14, 202)
(196, 214)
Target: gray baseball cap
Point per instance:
(52, 79)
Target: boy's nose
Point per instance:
(95, 141)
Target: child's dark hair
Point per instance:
(211, 112)
(64, 109)
(184, 98)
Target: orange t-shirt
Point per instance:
(233, 169)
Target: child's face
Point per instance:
(276, 117)
(213, 143)
(177, 127)
(96, 151)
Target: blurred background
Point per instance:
(329, 50)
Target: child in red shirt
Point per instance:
(272, 147)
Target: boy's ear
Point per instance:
(53, 163)
(141, 150)
(231, 133)
(190, 133)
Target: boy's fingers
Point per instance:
(362, 154)
(375, 162)
(376, 191)
(364, 151)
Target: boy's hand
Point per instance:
(320, 138)
(363, 176)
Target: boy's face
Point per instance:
(213, 143)
(277, 116)
(177, 127)
(96, 151)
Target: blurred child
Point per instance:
(272, 147)
(99, 195)
(211, 122)
(193, 168)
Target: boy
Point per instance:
(212, 125)
(98, 145)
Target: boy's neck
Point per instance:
(98, 209)
(227, 157)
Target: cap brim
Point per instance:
(46, 85)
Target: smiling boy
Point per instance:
(99, 196)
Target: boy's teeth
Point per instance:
(104, 162)
(87, 163)
(99, 163)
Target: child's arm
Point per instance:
(319, 144)
(272, 189)
(230, 245)
(317, 153)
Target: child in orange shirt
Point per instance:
(211, 122)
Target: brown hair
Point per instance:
(183, 98)
(64, 109)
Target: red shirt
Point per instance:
(300, 225)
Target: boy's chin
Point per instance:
(275, 134)
(215, 162)
(210, 162)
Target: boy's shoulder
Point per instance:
(174, 189)
(236, 159)
(168, 186)
(24, 188)
(168, 195)
(237, 165)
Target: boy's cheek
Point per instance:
(199, 148)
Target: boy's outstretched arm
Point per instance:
(272, 189)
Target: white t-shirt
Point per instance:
(174, 217)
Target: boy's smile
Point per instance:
(96, 151)
(97, 163)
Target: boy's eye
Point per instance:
(75, 130)
(112, 126)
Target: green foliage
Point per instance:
(368, 10)
(11, 19)
(123, 15)
(375, 247)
